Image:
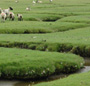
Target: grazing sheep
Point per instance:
(20, 17)
(3, 16)
(50, 0)
(28, 9)
(34, 2)
(0, 10)
(39, 1)
(7, 10)
(34, 37)
(16, 1)
(11, 16)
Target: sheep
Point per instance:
(7, 10)
(3, 16)
(20, 17)
(16, 1)
(50, 0)
(28, 9)
(34, 2)
(39, 1)
(11, 16)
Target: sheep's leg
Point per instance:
(2, 19)
(6, 18)
(13, 19)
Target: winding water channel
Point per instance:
(29, 83)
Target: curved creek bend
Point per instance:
(51, 78)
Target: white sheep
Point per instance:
(50, 0)
(7, 10)
(28, 9)
(33, 2)
(3, 16)
(11, 16)
(16, 1)
(39, 1)
(20, 17)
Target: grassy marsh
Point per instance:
(66, 24)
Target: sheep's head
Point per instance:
(10, 8)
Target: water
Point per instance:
(7, 83)
(86, 67)
(87, 61)
(30, 83)
(51, 78)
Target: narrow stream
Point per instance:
(51, 78)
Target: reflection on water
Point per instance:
(7, 83)
(24, 83)
(54, 77)
(85, 69)
(87, 61)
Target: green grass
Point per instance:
(73, 80)
(75, 41)
(37, 27)
(69, 16)
(25, 64)
(77, 19)
(78, 36)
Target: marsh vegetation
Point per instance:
(46, 41)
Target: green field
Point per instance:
(56, 29)
(26, 27)
(76, 41)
